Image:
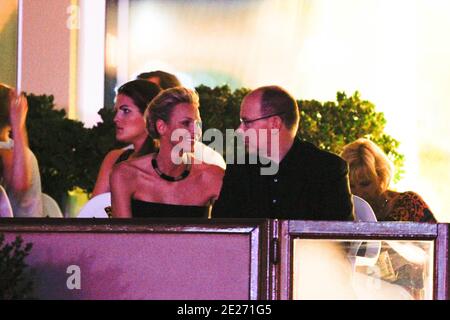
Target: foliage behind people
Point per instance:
(70, 155)
(14, 280)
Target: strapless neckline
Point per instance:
(145, 209)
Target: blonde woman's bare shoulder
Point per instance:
(211, 179)
(210, 170)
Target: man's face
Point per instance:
(255, 131)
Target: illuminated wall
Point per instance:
(8, 41)
(46, 43)
(394, 52)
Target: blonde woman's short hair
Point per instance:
(367, 161)
(161, 107)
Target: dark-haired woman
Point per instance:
(131, 101)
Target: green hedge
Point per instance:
(70, 155)
(15, 278)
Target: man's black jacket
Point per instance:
(311, 184)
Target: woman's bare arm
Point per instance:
(18, 167)
(122, 188)
(102, 184)
(214, 181)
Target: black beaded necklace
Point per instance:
(166, 177)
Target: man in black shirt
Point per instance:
(299, 181)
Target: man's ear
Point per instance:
(161, 127)
(276, 123)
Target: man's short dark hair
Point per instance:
(275, 99)
(166, 80)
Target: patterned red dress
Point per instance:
(409, 206)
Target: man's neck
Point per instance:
(284, 148)
(284, 145)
